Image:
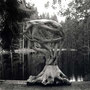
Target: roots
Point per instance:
(51, 74)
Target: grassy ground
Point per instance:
(21, 85)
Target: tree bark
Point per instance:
(50, 75)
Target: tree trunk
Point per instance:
(50, 42)
(50, 75)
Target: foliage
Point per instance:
(77, 24)
(11, 12)
(47, 16)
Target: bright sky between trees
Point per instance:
(46, 6)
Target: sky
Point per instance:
(40, 4)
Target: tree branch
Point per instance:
(41, 43)
(48, 40)
(52, 40)
(23, 6)
(40, 50)
(53, 30)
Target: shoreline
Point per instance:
(22, 85)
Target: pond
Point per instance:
(18, 66)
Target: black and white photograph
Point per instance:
(44, 44)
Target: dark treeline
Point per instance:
(77, 25)
(12, 12)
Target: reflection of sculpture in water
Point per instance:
(47, 38)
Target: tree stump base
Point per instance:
(50, 75)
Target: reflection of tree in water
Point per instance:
(37, 63)
(76, 64)
(6, 73)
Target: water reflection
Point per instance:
(19, 66)
(79, 79)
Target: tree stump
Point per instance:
(50, 75)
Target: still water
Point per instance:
(18, 66)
